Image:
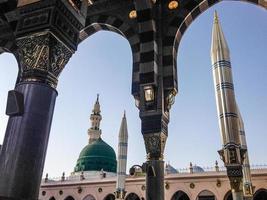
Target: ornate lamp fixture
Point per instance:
(149, 94)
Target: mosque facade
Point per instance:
(94, 176)
(101, 175)
(208, 185)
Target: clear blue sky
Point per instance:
(102, 65)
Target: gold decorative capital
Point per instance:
(155, 145)
(42, 57)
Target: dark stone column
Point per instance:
(154, 128)
(30, 106)
(155, 180)
(155, 144)
(24, 149)
(45, 34)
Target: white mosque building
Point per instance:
(95, 177)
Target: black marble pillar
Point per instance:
(24, 149)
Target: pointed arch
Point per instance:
(115, 24)
(182, 19)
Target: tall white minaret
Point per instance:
(94, 132)
(122, 159)
(224, 87)
(231, 153)
(247, 183)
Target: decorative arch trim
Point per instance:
(148, 44)
(114, 24)
(178, 26)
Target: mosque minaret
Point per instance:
(94, 132)
(122, 159)
(101, 175)
(224, 87)
(97, 156)
(233, 152)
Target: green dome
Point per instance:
(96, 156)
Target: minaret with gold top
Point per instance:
(94, 132)
(232, 152)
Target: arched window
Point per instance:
(110, 197)
(69, 198)
(132, 196)
(180, 195)
(261, 194)
(89, 197)
(52, 198)
(206, 195)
